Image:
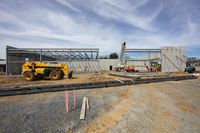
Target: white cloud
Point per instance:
(67, 4)
(124, 11)
(92, 24)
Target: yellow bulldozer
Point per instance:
(40, 70)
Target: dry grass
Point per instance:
(186, 107)
(100, 78)
(123, 95)
(10, 80)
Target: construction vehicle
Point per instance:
(38, 70)
(154, 67)
(125, 68)
(190, 69)
(122, 66)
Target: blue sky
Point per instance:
(100, 24)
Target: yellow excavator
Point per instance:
(38, 70)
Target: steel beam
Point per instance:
(142, 50)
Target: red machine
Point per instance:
(122, 66)
(129, 68)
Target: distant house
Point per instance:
(2, 65)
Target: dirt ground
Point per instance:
(2, 73)
(16, 81)
(167, 107)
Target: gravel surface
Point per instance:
(167, 107)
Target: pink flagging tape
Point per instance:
(67, 101)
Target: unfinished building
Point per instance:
(171, 59)
(2, 65)
(79, 59)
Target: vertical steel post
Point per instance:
(97, 56)
(149, 60)
(70, 63)
(7, 60)
(98, 65)
(40, 55)
(161, 57)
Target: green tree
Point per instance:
(113, 56)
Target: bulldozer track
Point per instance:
(62, 87)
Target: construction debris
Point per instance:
(88, 106)
(119, 81)
(85, 105)
(50, 88)
(196, 74)
(83, 109)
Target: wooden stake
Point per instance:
(82, 114)
(88, 106)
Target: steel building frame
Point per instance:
(17, 56)
(149, 51)
(60, 55)
(148, 59)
